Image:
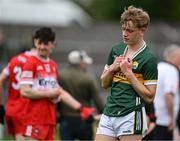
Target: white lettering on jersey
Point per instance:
(17, 71)
(28, 130)
(47, 82)
(27, 74)
(39, 68)
(47, 67)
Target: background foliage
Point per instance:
(166, 10)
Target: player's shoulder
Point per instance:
(29, 59)
(148, 53)
(36, 60)
(119, 44)
(22, 57)
(15, 59)
(118, 48)
(52, 61)
(167, 67)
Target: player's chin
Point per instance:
(44, 53)
(125, 41)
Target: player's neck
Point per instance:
(132, 51)
(41, 57)
(137, 46)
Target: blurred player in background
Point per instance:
(167, 95)
(82, 86)
(2, 113)
(14, 103)
(39, 83)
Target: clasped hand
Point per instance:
(58, 98)
(121, 63)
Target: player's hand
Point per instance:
(86, 112)
(97, 117)
(57, 99)
(152, 125)
(116, 64)
(171, 125)
(126, 65)
(2, 113)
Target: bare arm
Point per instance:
(69, 100)
(28, 92)
(3, 77)
(66, 98)
(145, 92)
(106, 78)
(107, 75)
(169, 105)
(150, 111)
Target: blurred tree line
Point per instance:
(166, 10)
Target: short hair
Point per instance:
(170, 50)
(138, 16)
(44, 35)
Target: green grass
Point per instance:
(57, 136)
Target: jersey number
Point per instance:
(17, 71)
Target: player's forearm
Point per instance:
(147, 94)
(3, 77)
(108, 73)
(69, 100)
(106, 78)
(28, 92)
(169, 104)
(0, 95)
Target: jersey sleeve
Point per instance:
(8, 67)
(116, 51)
(28, 73)
(171, 81)
(110, 58)
(150, 72)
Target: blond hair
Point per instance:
(138, 16)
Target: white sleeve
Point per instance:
(171, 81)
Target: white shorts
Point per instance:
(133, 123)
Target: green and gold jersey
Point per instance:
(123, 99)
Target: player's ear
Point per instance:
(143, 30)
(55, 44)
(36, 42)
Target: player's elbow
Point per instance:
(150, 94)
(104, 85)
(24, 91)
(150, 98)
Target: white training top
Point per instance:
(168, 82)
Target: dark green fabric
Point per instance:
(123, 99)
